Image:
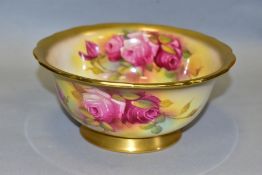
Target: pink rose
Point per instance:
(92, 51)
(138, 50)
(102, 106)
(170, 61)
(176, 45)
(167, 60)
(113, 47)
(134, 114)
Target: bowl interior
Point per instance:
(134, 54)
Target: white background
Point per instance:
(36, 137)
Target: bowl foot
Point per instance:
(130, 145)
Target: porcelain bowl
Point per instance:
(131, 86)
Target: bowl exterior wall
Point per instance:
(132, 113)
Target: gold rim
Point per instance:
(227, 57)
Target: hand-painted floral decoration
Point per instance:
(100, 105)
(138, 54)
(92, 51)
(113, 47)
(116, 111)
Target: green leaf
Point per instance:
(166, 103)
(164, 39)
(170, 74)
(156, 130)
(129, 96)
(125, 32)
(145, 104)
(186, 54)
(147, 126)
(160, 119)
(168, 49)
(118, 97)
(185, 108)
(106, 126)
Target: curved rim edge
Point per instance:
(225, 50)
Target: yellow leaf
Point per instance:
(165, 103)
(185, 108)
(118, 97)
(130, 96)
(168, 49)
(149, 67)
(77, 95)
(188, 115)
(92, 62)
(87, 114)
(157, 68)
(88, 120)
(193, 112)
(196, 71)
(145, 104)
(114, 76)
(106, 126)
(122, 69)
(79, 88)
(170, 74)
(96, 70)
(164, 39)
(125, 64)
(94, 123)
(153, 39)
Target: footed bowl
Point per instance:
(133, 87)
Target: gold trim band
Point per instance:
(130, 145)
